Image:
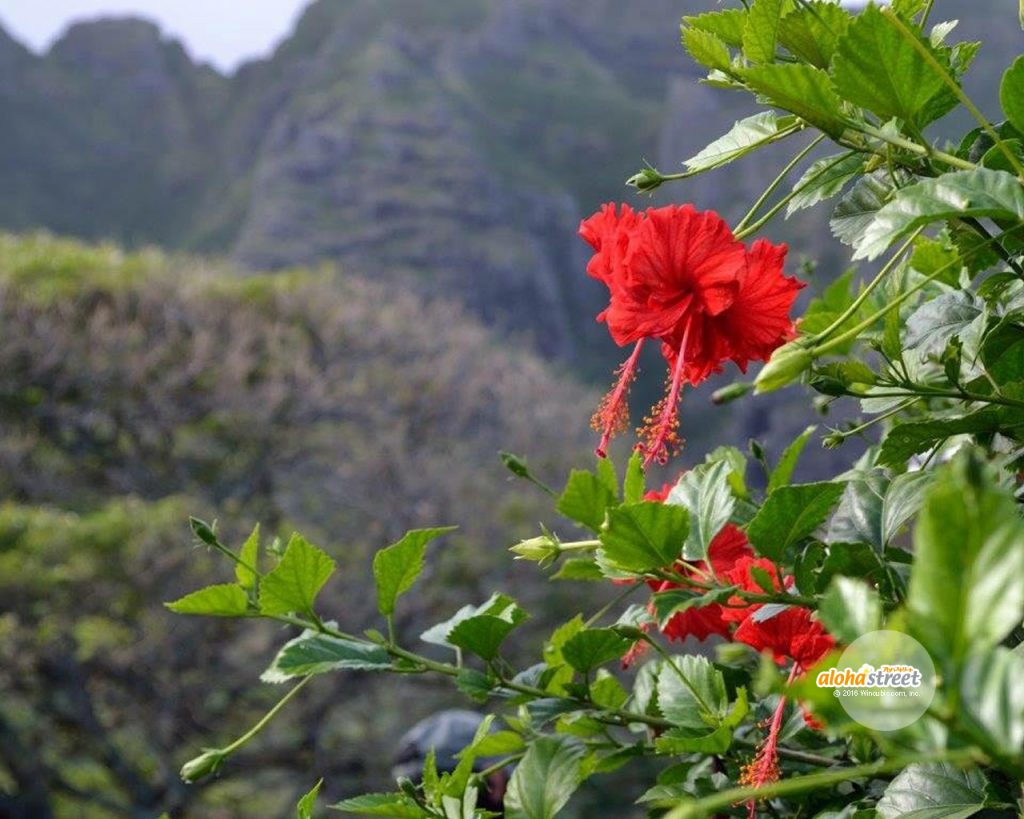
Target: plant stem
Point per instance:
(579, 546)
(601, 612)
(913, 147)
(954, 86)
(273, 712)
(814, 143)
(896, 302)
(785, 132)
(450, 670)
(851, 311)
(723, 800)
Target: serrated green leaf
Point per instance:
(644, 536)
(396, 805)
(783, 472)
(483, 631)
(222, 600)
(296, 580)
(499, 743)
(726, 25)
(933, 790)
(678, 741)
(588, 649)
(607, 691)
(745, 136)
(692, 693)
(812, 30)
(850, 608)
(876, 68)
(315, 653)
(980, 193)
(934, 323)
(1011, 94)
(705, 493)
(396, 567)
(800, 89)
(545, 779)
(248, 566)
(706, 49)
(585, 499)
(824, 179)
(789, 514)
(914, 437)
(760, 32)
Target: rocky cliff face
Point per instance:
(450, 148)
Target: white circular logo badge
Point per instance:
(884, 680)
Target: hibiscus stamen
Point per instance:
(763, 769)
(612, 416)
(660, 432)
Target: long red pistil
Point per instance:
(660, 431)
(612, 416)
(764, 768)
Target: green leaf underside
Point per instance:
(545, 779)
(744, 137)
(978, 193)
(315, 653)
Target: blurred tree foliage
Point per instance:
(136, 386)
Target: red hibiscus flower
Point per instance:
(740, 575)
(791, 632)
(728, 546)
(680, 277)
(659, 494)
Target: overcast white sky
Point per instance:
(224, 32)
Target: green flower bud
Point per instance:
(729, 394)
(202, 766)
(833, 441)
(542, 548)
(786, 365)
(646, 180)
(203, 531)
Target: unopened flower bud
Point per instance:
(728, 394)
(646, 180)
(833, 441)
(786, 365)
(202, 766)
(540, 549)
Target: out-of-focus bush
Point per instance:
(306, 399)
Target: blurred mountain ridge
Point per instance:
(450, 147)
